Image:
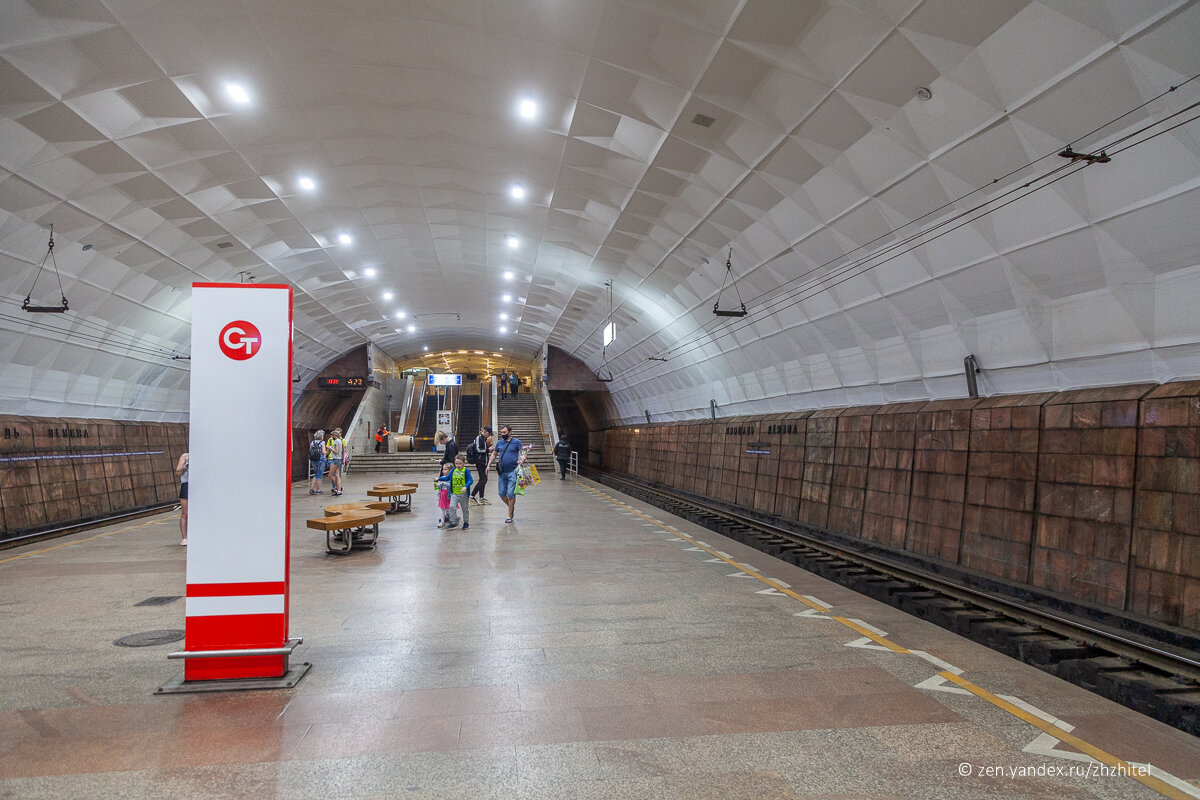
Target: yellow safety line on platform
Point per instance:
(895, 648)
(78, 541)
(1127, 769)
(1102, 756)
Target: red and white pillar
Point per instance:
(239, 480)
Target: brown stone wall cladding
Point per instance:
(820, 438)
(1165, 563)
(1085, 493)
(61, 471)
(890, 474)
(939, 479)
(1093, 495)
(1002, 486)
(851, 455)
(793, 428)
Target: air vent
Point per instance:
(224, 245)
(703, 120)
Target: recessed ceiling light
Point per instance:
(501, 349)
(399, 315)
(345, 238)
(350, 273)
(426, 348)
(506, 298)
(369, 272)
(517, 191)
(512, 241)
(307, 183)
(504, 330)
(412, 328)
(237, 92)
(508, 276)
(504, 316)
(387, 295)
(527, 108)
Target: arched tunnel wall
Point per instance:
(1092, 496)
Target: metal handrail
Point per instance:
(285, 650)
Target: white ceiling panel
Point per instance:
(666, 132)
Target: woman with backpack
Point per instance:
(316, 457)
(477, 456)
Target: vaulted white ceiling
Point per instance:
(877, 236)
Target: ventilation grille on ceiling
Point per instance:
(703, 120)
(223, 245)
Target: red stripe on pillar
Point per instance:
(235, 589)
(234, 632)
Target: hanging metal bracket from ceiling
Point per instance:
(736, 312)
(59, 309)
(1092, 158)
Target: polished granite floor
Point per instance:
(597, 648)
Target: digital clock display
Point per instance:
(343, 383)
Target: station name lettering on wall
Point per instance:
(788, 428)
(739, 430)
(64, 433)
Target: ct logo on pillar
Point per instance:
(240, 340)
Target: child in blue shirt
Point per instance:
(459, 481)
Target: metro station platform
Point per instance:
(597, 648)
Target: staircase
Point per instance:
(424, 461)
(521, 412)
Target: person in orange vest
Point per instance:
(380, 438)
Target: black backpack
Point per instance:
(472, 452)
(314, 451)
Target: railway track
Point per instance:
(1158, 677)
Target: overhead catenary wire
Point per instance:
(849, 272)
(711, 325)
(812, 290)
(707, 333)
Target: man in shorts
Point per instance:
(508, 454)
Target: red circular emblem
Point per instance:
(240, 340)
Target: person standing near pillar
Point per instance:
(317, 453)
(181, 469)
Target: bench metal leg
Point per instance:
(347, 539)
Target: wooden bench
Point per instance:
(353, 529)
(358, 505)
(398, 494)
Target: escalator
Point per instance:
(428, 426)
(469, 419)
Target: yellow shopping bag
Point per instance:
(533, 474)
